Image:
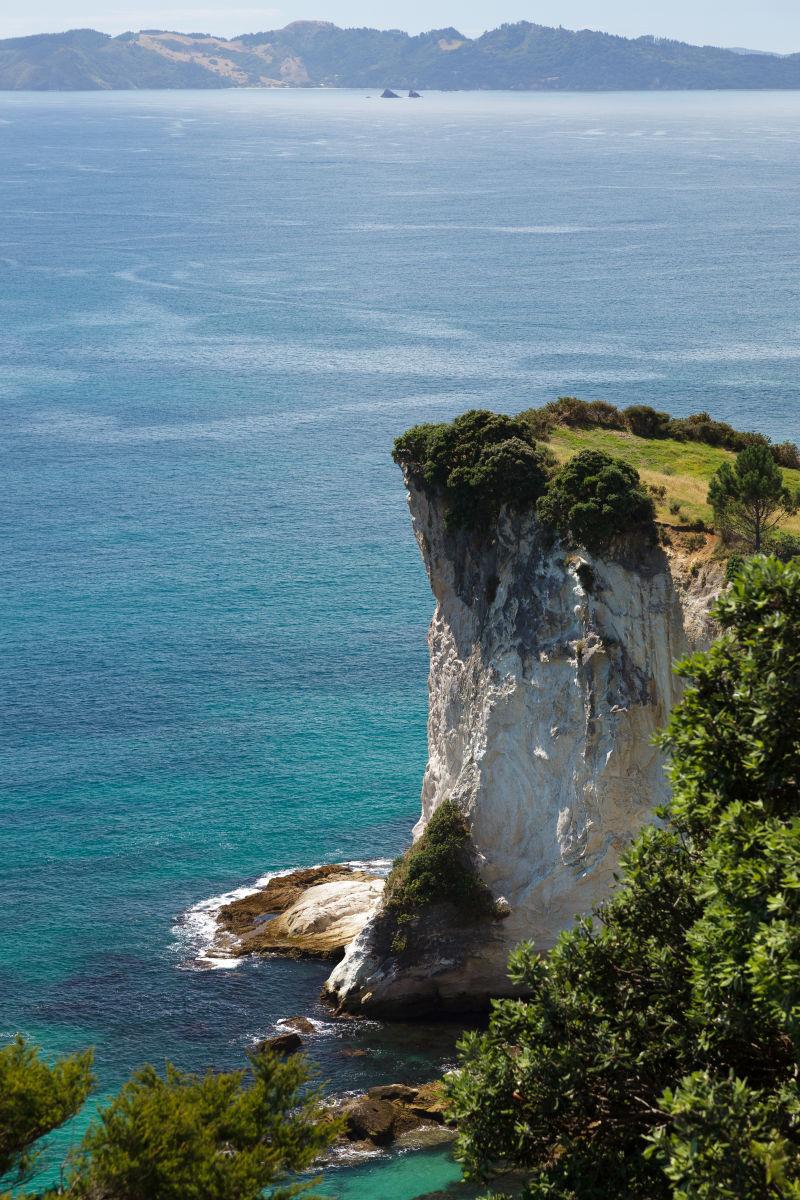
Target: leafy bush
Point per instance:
(582, 414)
(733, 566)
(481, 461)
(656, 1058)
(595, 498)
(644, 421)
(210, 1137)
(177, 1137)
(784, 546)
(439, 868)
(786, 454)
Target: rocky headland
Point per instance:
(551, 671)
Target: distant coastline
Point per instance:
(307, 54)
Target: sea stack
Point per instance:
(412, 95)
(388, 94)
(550, 671)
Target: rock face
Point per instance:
(312, 912)
(396, 1114)
(550, 672)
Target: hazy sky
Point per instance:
(767, 25)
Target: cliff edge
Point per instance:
(550, 672)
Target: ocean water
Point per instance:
(216, 311)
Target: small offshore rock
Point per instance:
(284, 1043)
(370, 1119)
(388, 94)
(300, 1024)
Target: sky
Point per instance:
(767, 25)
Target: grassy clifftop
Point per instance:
(683, 469)
(593, 473)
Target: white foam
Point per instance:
(196, 931)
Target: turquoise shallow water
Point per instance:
(215, 313)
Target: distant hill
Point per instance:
(315, 53)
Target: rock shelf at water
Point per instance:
(313, 912)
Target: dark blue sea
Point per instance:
(216, 311)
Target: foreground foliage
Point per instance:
(177, 1137)
(657, 1056)
(35, 1099)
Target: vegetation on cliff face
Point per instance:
(438, 869)
(212, 1137)
(657, 1056)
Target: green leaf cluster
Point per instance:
(657, 1055)
(36, 1098)
(594, 499)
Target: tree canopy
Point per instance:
(178, 1136)
(36, 1098)
(656, 1056)
(750, 498)
(481, 461)
(595, 498)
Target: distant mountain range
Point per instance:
(317, 54)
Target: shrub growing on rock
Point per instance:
(594, 499)
(438, 869)
(481, 461)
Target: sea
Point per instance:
(217, 309)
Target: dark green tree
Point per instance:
(594, 499)
(480, 462)
(36, 1098)
(750, 498)
(657, 1054)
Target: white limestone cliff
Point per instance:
(550, 673)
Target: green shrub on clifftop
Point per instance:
(595, 498)
(481, 461)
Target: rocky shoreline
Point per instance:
(312, 912)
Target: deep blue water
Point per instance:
(216, 311)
